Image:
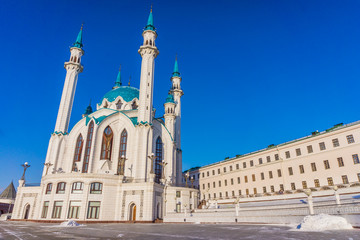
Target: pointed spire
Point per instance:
(150, 22)
(78, 42)
(9, 192)
(88, 110)
(129, 81)
(176, 72)
(118, 79)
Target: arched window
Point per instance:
(106, 145)
(122, 152)
(96, 188)
(147, 42)
(158, 160)
(150, 42)
(48, 188)
(78, 150)
(75, 59)
(60, 189)
(78, 60)
(71, 58)
(134, 105)
(118, 105)
(88, 147)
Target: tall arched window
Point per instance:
(106, 145)
(78, 150)
(134, 105)
(75, 59)
(88, 147)
(122, 152)
(158, 160)
(118, 105)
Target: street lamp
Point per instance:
(152, 158)
(186, 178)
(25, 166)
(47, 165)
(122, 160)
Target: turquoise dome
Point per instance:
(126, 92)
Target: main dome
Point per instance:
(126, 92)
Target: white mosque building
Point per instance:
(118, 163)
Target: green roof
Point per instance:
(150, 23)
(118, 82)
(170, 98)
(78, 42)
(126, 92)
(176, 69)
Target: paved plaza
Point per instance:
(30, 230)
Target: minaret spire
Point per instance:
(150, 22)
(78, 42)
(176, 72)
(118, 82)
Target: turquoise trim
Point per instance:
(176, 72)
(126, 92)
(101, 118)
(60, 133)
(170, 98)
(78, 42)
(118, 81)
(172, 139)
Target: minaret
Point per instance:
(170, 114)
(148, 52)
(177, 92)
(73, 68)
(118, 82)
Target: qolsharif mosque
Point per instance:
(118, 163)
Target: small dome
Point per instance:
(126, 92)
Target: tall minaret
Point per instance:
(177, 92)
(169, 115)
(148, 52)
(73, 68)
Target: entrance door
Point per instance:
(132, 212)
(27, 211)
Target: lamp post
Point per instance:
(337, 196)
(186, 178)
(163, 165)
(47, 165)
(192, 181)
(122, 160)
(310, 201)
(25, 166)
(152, 158)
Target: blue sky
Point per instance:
(254, 72)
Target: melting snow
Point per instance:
(70, 223)
(323, 222)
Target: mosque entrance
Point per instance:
(27, 211)
(132, 215)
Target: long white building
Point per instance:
(118, 163)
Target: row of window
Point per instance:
(330, 182)
(77, 187)
(74, 209)
(322, 146)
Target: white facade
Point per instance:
(118, 163)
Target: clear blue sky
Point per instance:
(254, 72)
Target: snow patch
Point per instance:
(70, 223)
(120, 235)
(323, 222)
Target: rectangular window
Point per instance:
(237, 166)
(77, 187)
(326, 164)
(203, 185)
(214, 184)
(246, 179)
(262, 176)
(301, 167)
(335, 142)
(233, 193)
(57, 209)
(293, 186)
(60, 188)
(345, 179)
(239, 192)
(238, 180)
(350, 139)
(270, 174)
(203, 175)
(268, 159)
(330, 181)
(244, 164)
(355, 158)
(178, 207)
(48, 188)
(298, 152)
(260, 161)
(316, 182)
(45, 209)
(290, 171)
(264, 189)
(218, 170)
(247, 191)
(214, 195)
(322, 146)
(272, 189)
(225, 182)
(219, 183)
(277, 157)
(340, 161)
(251, 163)
(96, 188)
(208, 185)
(178, 194)
(213, 172)
(304, 184)
(358, 175)
(224, 169)
(255, 191)
(74, 209)
(232, 181)
(93, 210)
(253, 178)
(230, 168)
(207, 173)
(220, 194)
(287, 154)
(309, 149)
(282, 187)
(313, 167)
(279, 172)
(226, 194)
